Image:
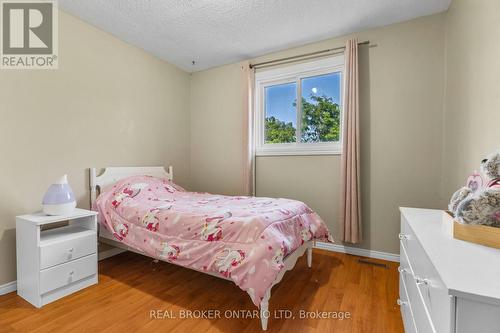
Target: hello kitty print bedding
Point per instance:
(244, 239)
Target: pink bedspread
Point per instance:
(241, 238)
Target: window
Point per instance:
(312, 126)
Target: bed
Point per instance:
(250, 241)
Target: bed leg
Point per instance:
(309, 255)
(264, 310)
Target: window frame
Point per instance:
(294, 74)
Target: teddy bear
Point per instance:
(458, 197)
(490, 167)
(479, 201)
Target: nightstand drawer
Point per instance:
(66, 244)
(62, 275)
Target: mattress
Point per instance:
(244, 239)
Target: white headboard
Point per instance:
(113, 174)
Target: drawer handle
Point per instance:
(421, 281)
(70, 276)
(401, 303)
(402, 236)
(402, 270)
(70, 250)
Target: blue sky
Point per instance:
(279, 99)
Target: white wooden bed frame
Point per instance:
(113, 174)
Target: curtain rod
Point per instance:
(298, 57)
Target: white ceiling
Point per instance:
(217, 32)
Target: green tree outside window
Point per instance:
(320, 122)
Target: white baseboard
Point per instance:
(12, 286)
(109, 253)
(8, 288)
(357, 251)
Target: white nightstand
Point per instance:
(56, 262)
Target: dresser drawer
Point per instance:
(436, 299)
(58, 252)
(422, 321)
(406, 314)
(428, 282)
(65, 274)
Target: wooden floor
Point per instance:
(131, 286)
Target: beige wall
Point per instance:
(472, 111)
(402, 92)
(108, 104)
(216, 130)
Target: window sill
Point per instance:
(298, 151)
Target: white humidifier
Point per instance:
(59, 198)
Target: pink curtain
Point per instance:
(248, 77)
(350, 190)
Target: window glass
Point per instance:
(280, 113)
(320, 108)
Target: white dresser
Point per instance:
(446, 285)
(56, 262)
